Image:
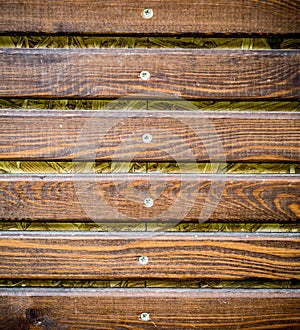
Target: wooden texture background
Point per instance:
(176, 135)
(121, 308)
(194, 74)
(120, 197)
(69, 255)
(169, 17)
(113, 73)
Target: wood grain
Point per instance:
(112, 73)
(120, 197)
(183, 136)
(112, 256)
(170, 17)
(89, 309)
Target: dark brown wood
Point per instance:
(112, 73)
(83, 255)
(120, 197)
(177, 135)
(89, 309)
(169, 17)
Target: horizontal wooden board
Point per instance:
(24, 308)
(175, 197)
(113, 256)
(175, 135)
(113, 73)
(169, 17)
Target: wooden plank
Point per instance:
(112, 256)
(112, 73)
(22, 308)
(169, 17)
(176, 197)
(177, 135)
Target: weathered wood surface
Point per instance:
(83, 255)
(176, 135)
(91, 309)
(169, 17)
(112, 73)
(121, 197)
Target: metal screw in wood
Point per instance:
(147, 138)
(148, 202)
(145, 317)
(147, 13)
(143, 260)
(145, 75)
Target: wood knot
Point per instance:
(34, 316)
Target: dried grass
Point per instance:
(192, 284)
(146, 42)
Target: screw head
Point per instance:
(145, 75)
(145, 317)
(143, 260)
(148, 202)
(147, 13)
(147, 138)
